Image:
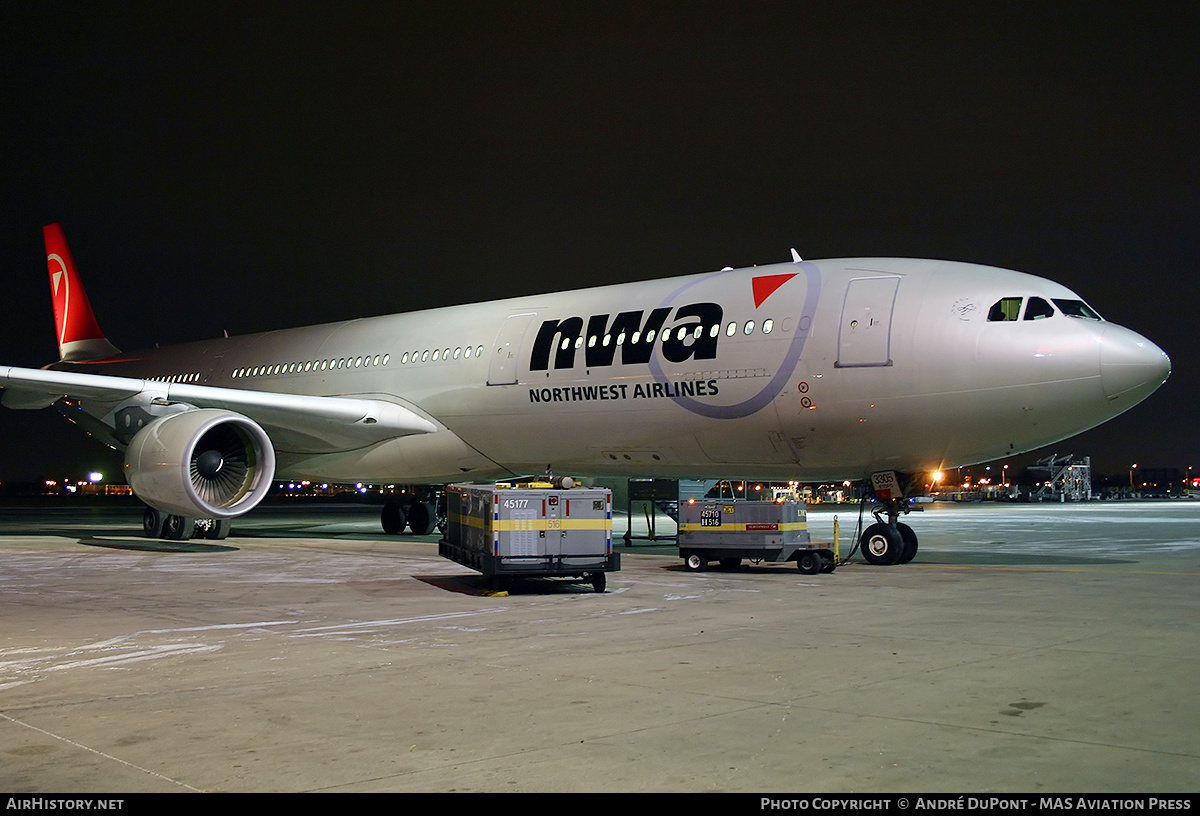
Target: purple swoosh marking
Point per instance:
(764, 397)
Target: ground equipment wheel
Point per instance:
(598, 581)
(809, 562)
(695, 562)
(827, 562)
(881, 544)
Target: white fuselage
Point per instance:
(811, 370)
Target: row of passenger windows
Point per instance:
(1009, 308)
(464, 353)
(177, 378)
(681, 333)
(311, 365)
(467, 352)
(440, 354)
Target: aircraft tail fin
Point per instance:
(79, 336)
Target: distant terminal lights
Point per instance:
(94, 485)
(307, 487)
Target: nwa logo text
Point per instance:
(692, 335)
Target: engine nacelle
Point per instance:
(205, 463)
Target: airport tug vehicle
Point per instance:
(548, 529)
(728, 531)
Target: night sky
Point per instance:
(250, 166)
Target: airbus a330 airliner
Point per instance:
(809, 370)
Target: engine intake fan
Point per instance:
(205, 463)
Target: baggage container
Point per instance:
(535, 531)
(728, 531)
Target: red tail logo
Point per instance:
(79, 335)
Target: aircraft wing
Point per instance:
(294, 421)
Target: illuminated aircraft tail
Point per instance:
(79, 336)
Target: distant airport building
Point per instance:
(1066, 479)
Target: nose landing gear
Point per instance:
(885, 543)
(889, 542)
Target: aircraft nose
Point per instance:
(1131, 367)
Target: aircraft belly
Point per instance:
(426, 458)
(597, 426)
(581, 436)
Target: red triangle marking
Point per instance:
(765, 286)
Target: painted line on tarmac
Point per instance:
(1107, 571)
(81, 746)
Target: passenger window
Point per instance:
(1037, 309)
(1005, 309)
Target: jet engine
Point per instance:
(204, 463)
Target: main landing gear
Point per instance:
(889, 542)
(157, 524)
(421, 514)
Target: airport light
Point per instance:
(95, 477)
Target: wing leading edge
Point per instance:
(295, 421)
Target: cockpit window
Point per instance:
(1005, 309)
(1037, 309)
(1077, 308)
